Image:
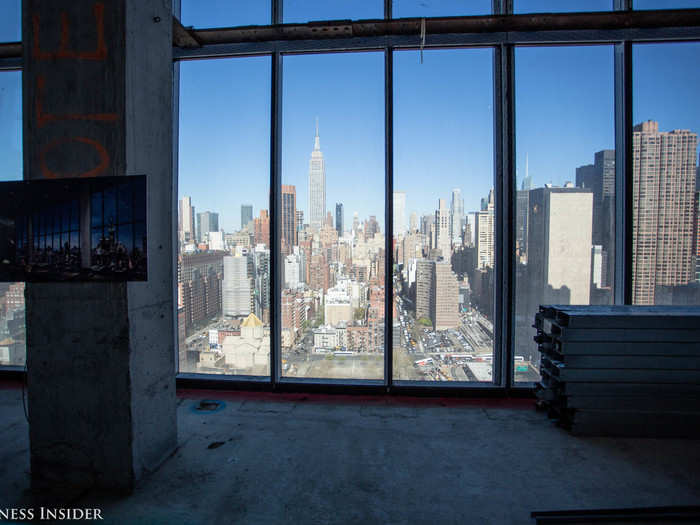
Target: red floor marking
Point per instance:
(235, 395)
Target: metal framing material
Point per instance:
(524, 23)
(276, 266)
(623, 173)
(504, 170)
(377, 43)
(389, 217)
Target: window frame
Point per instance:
(503, 45)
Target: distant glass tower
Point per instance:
(246, 214)
(339, 218)
(289, 218)
(317, 185)
(207, 222)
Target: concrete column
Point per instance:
(97, 97)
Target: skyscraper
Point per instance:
(441, 230)
(206, 222)
(237, 290)
(185, 220)
(262, 228)
(484, 235)
(456, 216)
(289, 218)
(600, 178)
(444, 297)
(664, 172)
(246, 214)
(339, 219)
(317, 185)
(262, 283)
(399, 213)
(413, 222)
(424, 283)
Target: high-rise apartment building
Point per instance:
(237, 290)
(456, 217)
(289, 218)
(697, 235)
(441, 230)
(559, 259)
(262, 283)
(317, 185)
(185, 220)
(484, 235)
(444, 297)
(437, 294)
(246, 214)
(339, 218)
(424, 283)
(262, 228)
(664, 173)
(206, 222)
(399, 213)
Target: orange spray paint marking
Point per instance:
(44, 118)
(102, 152)
(99, 53)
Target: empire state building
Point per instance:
(317, 185)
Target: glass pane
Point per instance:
(426, 8)
(564, 249)
(223, 268)
(75, 215)
(110, 206)
(666, 228)
(333, 158)
(561, 6)
(444, 253)
(299, 11)
(10, 20)
(125, 202)
(225, 13)
(96, 209)
(666, 4)
(10, 125)
(12, 327)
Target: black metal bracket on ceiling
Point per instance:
(189, 38)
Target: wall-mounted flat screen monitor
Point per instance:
(89, 229)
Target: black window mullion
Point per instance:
(504, 172)
(275, 205)
(389, 215)
(623, 173)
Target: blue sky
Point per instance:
(442, 109)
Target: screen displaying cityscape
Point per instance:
(443, 253)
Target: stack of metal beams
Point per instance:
(621, 370)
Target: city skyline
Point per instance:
(248, 152)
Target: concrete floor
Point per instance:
(309, 459)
